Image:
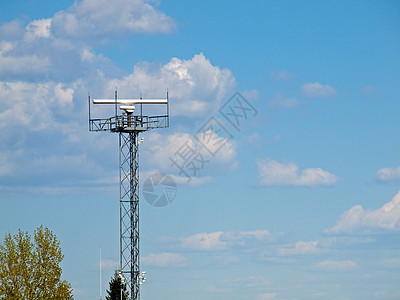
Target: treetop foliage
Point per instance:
(31, 269)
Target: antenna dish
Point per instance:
(128, 108)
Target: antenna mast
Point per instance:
(101, 296)
(129, 127)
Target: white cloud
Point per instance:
(11, 63)
(107, 19)
(52, 48)
(257, 234)
(12, 30)
(388, 174)
(64, 164)
(204, 241)
(25, 104)
(64, 96)
(165, 259)
(87, 55)
(317, 89)
(40, 87)
(358, 220)
(266, 296)
(246, 238)
(168, 153)
(6, 47)
(33, 106)
(391, 263)
(273, 173)
(337, 265)
(5, 165)
(281, 75)
(38, 57)
(38, 29)
(192, 181)
(301, 248)
(335, 242)
(279, 101)
(222, 240)
(196, 86)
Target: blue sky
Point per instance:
(302, 201)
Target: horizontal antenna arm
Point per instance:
(130, 101)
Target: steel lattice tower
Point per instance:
(129, 125)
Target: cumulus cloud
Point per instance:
(388, 174)
(358, 220)
(301, 248)
(33, 105)
(39, 57)
(316, 89)
(38, 29)
(14, 64)
(183, 157)
(165, 259)
(273, 173)
(196, 86)
(337, 265)
(106, 19)
(204, 241)
(57, 47)
(12, 30)
(45, 66)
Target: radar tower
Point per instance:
(129, 123)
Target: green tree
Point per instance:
(115, 289)
(30, 270)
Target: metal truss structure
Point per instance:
(129, 126)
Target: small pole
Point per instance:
(101, 296)
(89, 109)
(167, 109)
(141, 109)
(115, 107)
